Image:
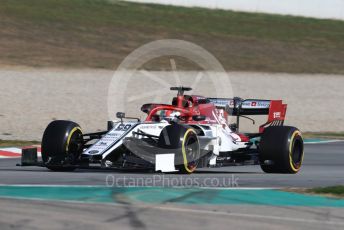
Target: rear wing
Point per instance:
(275, 109)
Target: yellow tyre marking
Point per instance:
(290, 152)
(70, 136)
(184, 152)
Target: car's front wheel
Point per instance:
(183, 141)
(61, 145)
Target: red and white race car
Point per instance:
(190, 133)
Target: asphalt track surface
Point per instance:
(27, 214)
(323, 166)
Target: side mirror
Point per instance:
(199, 117)
(120, 115)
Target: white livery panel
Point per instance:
(108, 140)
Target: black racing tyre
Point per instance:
(183, 141)
(61, 145)
(282, 146)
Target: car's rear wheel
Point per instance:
(61, 145)
(281, 150)
(183, 141)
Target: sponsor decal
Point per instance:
(219, 102)
(231, 103)
(123, 127)
(109, 139)
(246, 104)
(149, 127)
(255, 104)
(200, 98)
(93, 152)
(277, 114)
(113, 134)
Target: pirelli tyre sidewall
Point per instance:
(283, 146)
(183, 141)
(60, 148)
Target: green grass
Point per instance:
(17, 143)
(99, 33)
(332, 190)
(104, 13)
(325, 135)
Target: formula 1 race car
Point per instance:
(190, 133)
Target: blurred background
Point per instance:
(57, 58)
